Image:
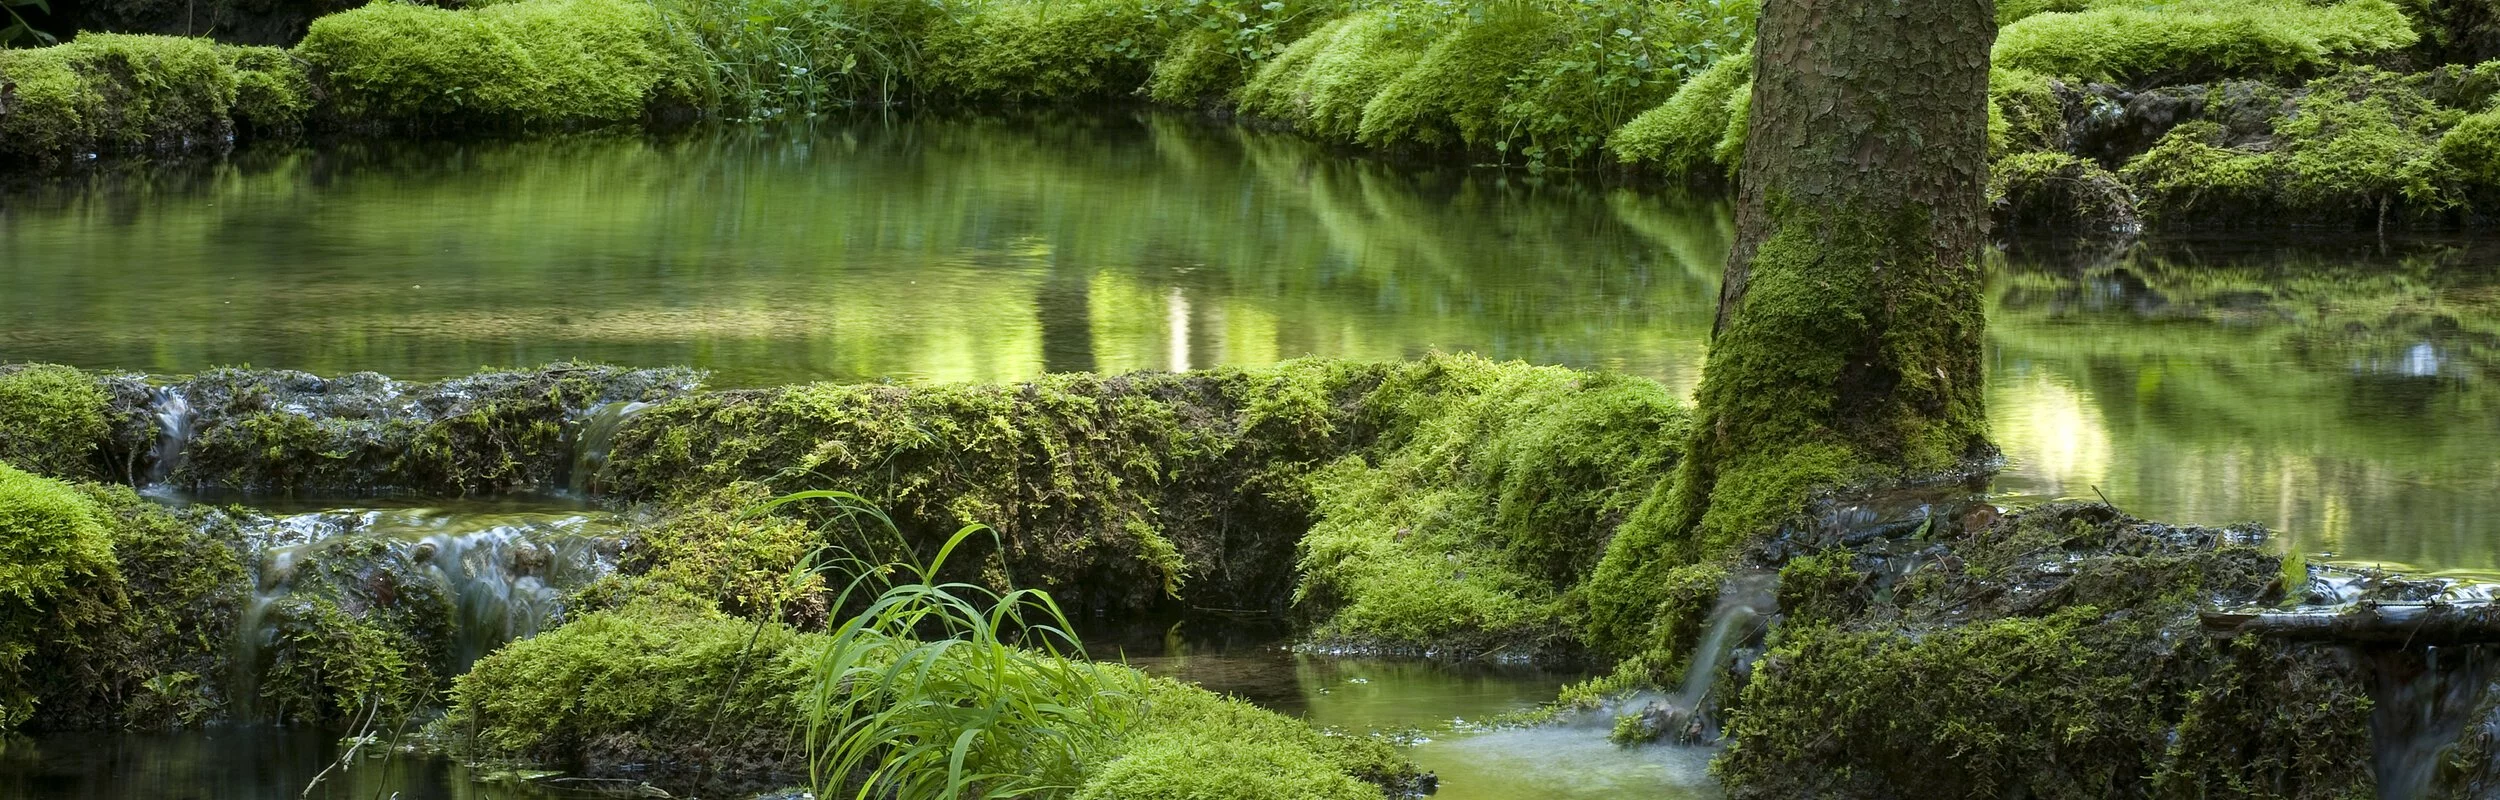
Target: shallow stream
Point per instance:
(2339, 390)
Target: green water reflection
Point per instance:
(2338, 390)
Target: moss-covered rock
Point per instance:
(2056, 191)
(690, 695)
(2198, 40)
(286, 431)
(118, 94)
(1323, 82)
(115, 611)
(1453, 95)
(52, 419)
(2360, 148)
(2054, 654)
(527, 64)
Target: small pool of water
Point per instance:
(2338, 389)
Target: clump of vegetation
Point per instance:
(1698, 131)
(115, 93)
(1193, 743)
(51, 419)
(1030, 50)
(1490, 498)
(2474, 147)
(2195, 40)
(2045, 190)
(112, 611)
(774, 58)
(2025, 114)
(533, 63)
(1454, 93)
(1324, 81)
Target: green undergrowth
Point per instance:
(1699, 130)
(2055, 654)
(113, 612)
(532, 63)
(1026, 51)
(107, 93)
(676, 687)
(52, 419)
(2195, 40)
(1324, 81)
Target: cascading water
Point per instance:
(1745, 600)
(496, 577)
(173, 433)
(594, 434)
(2421, 699)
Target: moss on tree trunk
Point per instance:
(1847, 345)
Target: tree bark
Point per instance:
(1847, 345)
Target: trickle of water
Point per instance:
(2421, 700)
(173, 434)
(594, 435)
(1745, 599)
(503, 575)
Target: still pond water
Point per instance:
(2344, 391)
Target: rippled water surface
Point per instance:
(2338, 389)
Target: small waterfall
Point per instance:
(173, 433)
(496, 576)
(1745, 600)
(2422, 699)
(593, 437)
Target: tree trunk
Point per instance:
(1847, 345)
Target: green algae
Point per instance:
(52, 418)
(528, 64)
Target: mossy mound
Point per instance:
(2196, 40)
(2359, 148)
(2056, 191)
(1029, 50)
(1699, 131)
(127, 94)
(2056, 653)
(690, 695)
(526, 64)
(1453, 95)
(1323, 82)
(1472, 532)
(286, 431)
(52, 420)
(113, 612)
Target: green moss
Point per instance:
(1453, 95)
(534, 63)
(653, 685)
(2056, 654)
(1195, 68)
(2025, 113)
(1684, 136)
(2194, 40)
(1324, 81)
(51, 419)
(2058, 191)
(1195, 745)
(723, 549)
(330, 667)
(111, 609)
(2012, 11)
(115, 93)
(1495, 498)
(1030, 50)
(2361, 146)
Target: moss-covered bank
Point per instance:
(1655, 86)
